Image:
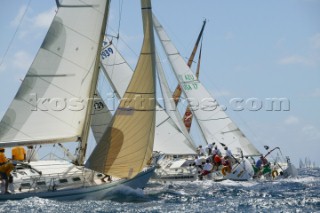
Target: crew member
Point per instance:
(3, 158)
(18, 153)
(207, 168)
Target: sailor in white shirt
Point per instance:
(201, 151)
(229, 155)
(206, 168)
(228, 152)
(198, 162)
(216, 151)
(209, 148)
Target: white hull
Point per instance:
(89, 186)
(239, 172)
(179, 169)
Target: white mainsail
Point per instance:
(168, 136)
(126, 147)
(214, 123)
(51, 103)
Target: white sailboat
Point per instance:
(66, 69)
(215, 125)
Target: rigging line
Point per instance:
(15, 33)
(120, 16)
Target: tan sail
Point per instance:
(126, 147)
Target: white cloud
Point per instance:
(291, 120)
(32, 24)
(296, 59)
(311, 132)
(22, 60)
(44, 19)
(15, 22)
(229, 36)
(315, 41)
(316, 93)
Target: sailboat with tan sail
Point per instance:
(66, 68)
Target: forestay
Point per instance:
(215, 125)
(50, 105)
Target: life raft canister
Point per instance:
(225, 170)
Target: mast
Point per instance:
(85, 134)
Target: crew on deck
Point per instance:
(201, 151)
(18, 153)
(216, 151)
(207, 168)
(262, 166)
(5, 169)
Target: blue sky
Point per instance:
(251, 49)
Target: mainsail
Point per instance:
(51, 103)
(126, 147)
(215, 125)
(168, 137)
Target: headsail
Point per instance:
(215, 125)
(169, 103)
(50, 105)
(168, 137)
(127, 145)
(100, 117)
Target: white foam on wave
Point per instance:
(128, 191)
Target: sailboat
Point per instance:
(66, 69)
(216, 127)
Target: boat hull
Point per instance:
(240, 172)
(181, 170)
(95, 192)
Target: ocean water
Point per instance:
(301, 194)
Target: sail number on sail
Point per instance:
(106, 52)
(189, 82)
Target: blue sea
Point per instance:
(301, 194)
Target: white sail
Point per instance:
(215, 125)
(168, 137)
(169, 104)
(50, 105)
(100, 117)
